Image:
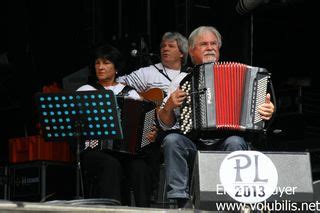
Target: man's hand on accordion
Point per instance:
(266, 110)
(175, 100)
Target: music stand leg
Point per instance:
(79, 181)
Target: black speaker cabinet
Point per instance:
(41, 181)
(3, 182)
(294, 170)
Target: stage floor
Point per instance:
(16, 206)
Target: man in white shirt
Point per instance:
(173, 53)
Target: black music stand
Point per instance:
(81, 115)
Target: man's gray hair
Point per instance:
(181, 41)
(198, 31)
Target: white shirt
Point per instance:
(116, 90)
(149, 77)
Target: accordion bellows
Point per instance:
(223, 96)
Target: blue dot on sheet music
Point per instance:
(53, 120)
(103, 118)
(49, 98)
(95, 111)
(60, 120)
(49, 135)
(43, 106)
(63, 134)
(101, 103)
(55, 127)
(44, 113)
(42, 99)
(94, 104)
(106, 132)
(78, 97)
(90, 126)
(51, 113)
(89, 119)
(93, 96)
(70, 97)
(79, 104)
(68, 127)
(86, 104)
(81, 112)
(107, 96)
(109, 110)
(46, 120)
(56, 98)
(65, 105)
(70, 134)
(63, 98)
(105, 125)
(72, 105)
(67, 119)
(66, 112)
(108, 103)
(111, 118)
(85, 97)
(98, 125)
(91, 133)
(88, 111)
(96, 118)
(112, 125)
(102, 111)
(73, 112)
(84, 133)
(50, 106)
(99, 132)
(62, 127)
(99, 96)
(113, 132)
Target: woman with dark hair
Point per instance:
(106, 63)
(114, 172)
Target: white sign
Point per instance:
(248, 176)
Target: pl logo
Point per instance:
(248, 176)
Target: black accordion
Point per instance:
(137, 119)
(223, 96)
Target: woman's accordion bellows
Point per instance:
(223, 96)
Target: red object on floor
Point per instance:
(35, 148)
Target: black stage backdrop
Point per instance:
(43, 41)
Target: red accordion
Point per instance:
(223, 96)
